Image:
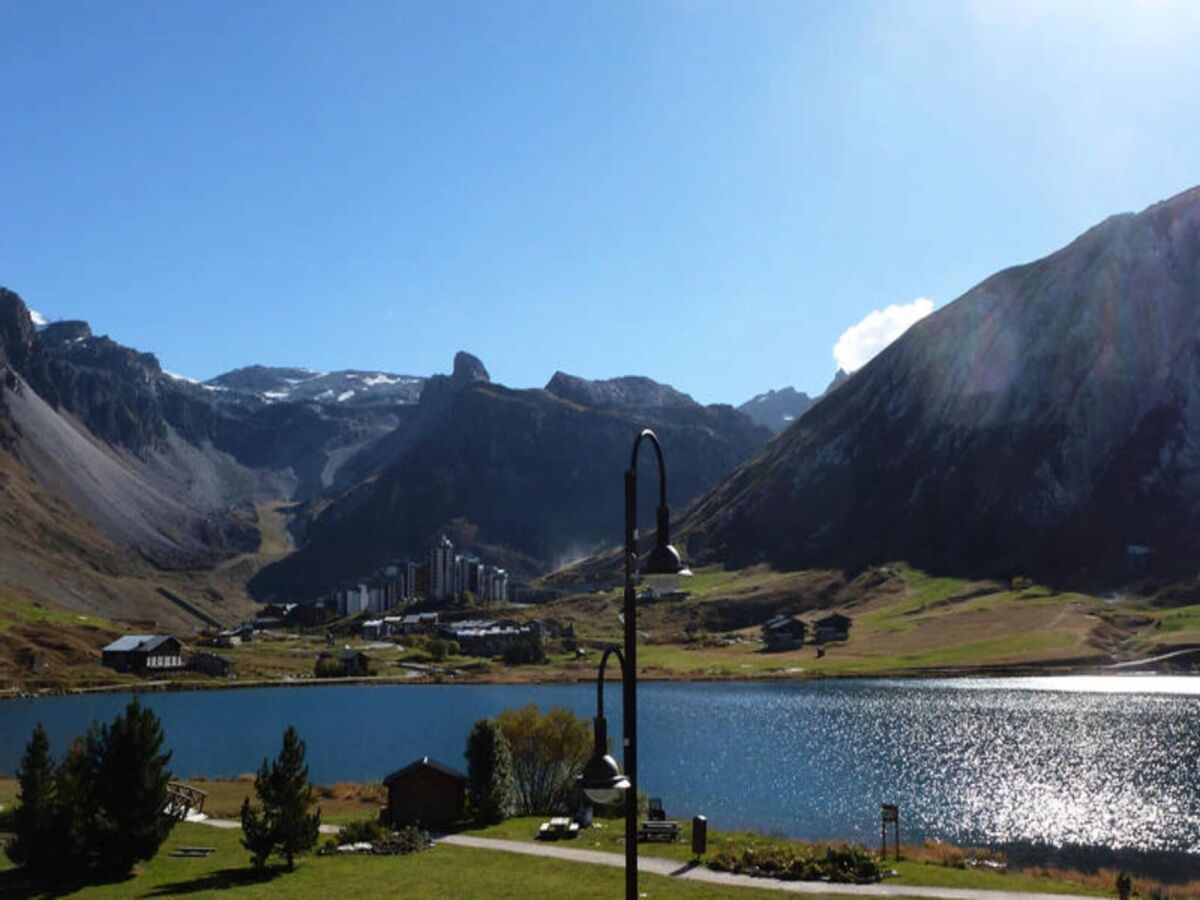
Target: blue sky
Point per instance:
(707, 193)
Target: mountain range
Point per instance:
(1045, 423)
(173, 473)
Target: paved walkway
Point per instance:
(671, 868)
(695, 872)
(230, 824)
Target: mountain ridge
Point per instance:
(1037, 423)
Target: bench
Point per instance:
(659, 831)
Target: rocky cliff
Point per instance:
(533, 471)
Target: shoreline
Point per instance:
(1028, 670)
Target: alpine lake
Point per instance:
(1070, 769)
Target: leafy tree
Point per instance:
(489, 771)
(285, 825)
(128, 775)
(34, 818)
(440, 648)
(548, 752)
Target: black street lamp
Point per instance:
(602, 780)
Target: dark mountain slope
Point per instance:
(1047, 421)
(530, 471)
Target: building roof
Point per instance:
(783, 623)
(131, 642)
(425, 763)
(835, 620)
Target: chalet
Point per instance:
(211, 664)
(350, 664)
(419, 623)
(783, 633)
(426, 793)
(480, 637)
(832, 628)
(143, 654)
(374, 629)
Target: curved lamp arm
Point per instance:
(650, 436)
(608, 651)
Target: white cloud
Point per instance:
(860, 342)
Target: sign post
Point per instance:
(889, 816)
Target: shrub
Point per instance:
(407, 840)
(525, 650)
(361, 830)
(798, 862)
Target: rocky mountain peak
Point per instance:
(628, 392)
(66, 332)
(468, 369)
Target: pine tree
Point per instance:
(285, 825)
(256, 834)
(489, 771)
(33, 820)
(130, 786)
(75, 814)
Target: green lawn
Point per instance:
(438, 874)
(609, 836)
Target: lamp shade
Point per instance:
(602, 780)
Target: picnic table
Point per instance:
(558, 827)
(194, 852)
(659, 830)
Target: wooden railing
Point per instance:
(183, 800)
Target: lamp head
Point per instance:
(601, 779)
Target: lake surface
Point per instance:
(1061, 762)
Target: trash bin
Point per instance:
(699, 835)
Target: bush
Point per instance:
(798, 862)
(407, 840)
(525, 650)
(368, 830)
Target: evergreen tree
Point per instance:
(489, 771)
(130, 787)
(256, 834)
(75, 813)
(285, 825)
(34, 818)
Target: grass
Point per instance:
(443, 872)
(609, 836)
(905, 622)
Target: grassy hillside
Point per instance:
(904, 621)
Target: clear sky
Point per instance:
(707, 193)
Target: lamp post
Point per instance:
(602, 780)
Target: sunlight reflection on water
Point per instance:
(1076, 761)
